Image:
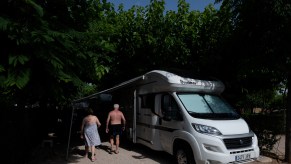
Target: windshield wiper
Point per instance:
(215, 116)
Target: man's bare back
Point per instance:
(115, 117)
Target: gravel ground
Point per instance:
(128, 154)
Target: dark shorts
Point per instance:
(115, 130)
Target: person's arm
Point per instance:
(107, 123)
(98, 122)
(124, 121)
(82, 128)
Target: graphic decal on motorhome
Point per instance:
(173, 78)
(188, 81)
(197, 82)
(156, 127)
(144, 140)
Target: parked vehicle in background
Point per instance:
(184, 117)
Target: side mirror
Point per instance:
(179, 116)
(167, 118)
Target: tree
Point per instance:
(261, 43)
(47, 54)
(150, 38)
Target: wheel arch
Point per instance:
(181, 144)
(190, 141)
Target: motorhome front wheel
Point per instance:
(184, 155)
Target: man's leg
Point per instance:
(117, 144)
(111, 142)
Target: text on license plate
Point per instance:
(242, 157)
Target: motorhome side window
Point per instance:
(148, 101)
(170, 108)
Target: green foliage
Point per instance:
(55, 51)
(258, 98)
(260, 28)
(19, 79)
(3, 24)
(62, 44)
(1, 68)
(267, 127)
(14, 60)
(149, 38)
(87, 89)
(45, 57)
(38, 8)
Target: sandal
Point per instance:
(116, 151)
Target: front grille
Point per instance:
(244, 161)
(241, 151)
(234, 143)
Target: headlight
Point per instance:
(206, 129)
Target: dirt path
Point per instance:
(136, 154)
(130, 154)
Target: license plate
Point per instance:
(242, 157)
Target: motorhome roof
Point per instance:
(161, 77)
(177, 79)
(162, 81)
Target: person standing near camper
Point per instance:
(89, 132)
(115, 127)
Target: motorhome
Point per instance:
(185, 117)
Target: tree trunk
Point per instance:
(288, 122)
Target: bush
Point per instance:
(267, 128)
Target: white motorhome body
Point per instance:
(186, 118)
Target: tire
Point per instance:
(184, 155)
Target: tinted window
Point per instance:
(170, 108)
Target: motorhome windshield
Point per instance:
(207, 106)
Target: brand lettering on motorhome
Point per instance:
(187, 81)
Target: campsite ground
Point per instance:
(129, 154)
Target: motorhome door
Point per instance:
(170, 120)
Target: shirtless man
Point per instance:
(115, 118)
